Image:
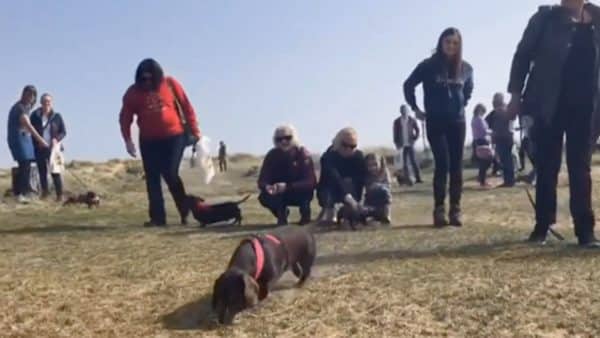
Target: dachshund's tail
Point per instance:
(247, 197)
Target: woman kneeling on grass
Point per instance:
(343, 174)
(154, 99)
(287, 177)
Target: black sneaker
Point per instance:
(439, 217)
(589, 242)
(282, 217)
(455, 217)
(152, 224)
(537, 238)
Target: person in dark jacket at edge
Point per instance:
(447, 85)
(343, 175)
(558, 55)
(503, 138)
(222, 157)
(406, 133)
(50, 125)
(287, 177)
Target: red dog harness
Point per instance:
(260, 253)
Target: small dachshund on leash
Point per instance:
(207, 214)
(91, 199)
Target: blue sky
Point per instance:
(247, 66)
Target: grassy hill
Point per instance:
(79, 272)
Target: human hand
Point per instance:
(270, 189)
(514, 107)
(419, 114)
(131, 150)
(280, 188)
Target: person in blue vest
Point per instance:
(20, 136)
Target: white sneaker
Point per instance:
(23, 200)
(329, 215)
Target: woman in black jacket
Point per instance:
(343, 175)
(49, 124)
(559, 56)
(447, 84)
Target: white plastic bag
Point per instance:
(57, 160)
(202, 160)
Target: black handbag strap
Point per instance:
(177, 103)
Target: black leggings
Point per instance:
(41, 158)
(483, 164)
(447, 140)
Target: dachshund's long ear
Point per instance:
(217, 292)
(250, 291)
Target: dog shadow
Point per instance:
(222, 229)
(199, 315)
(196, 315)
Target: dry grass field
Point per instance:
(73, 272)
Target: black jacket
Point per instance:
(55, 123)
(539, 60)
(444, 98)
(413, 129)
(335, 168)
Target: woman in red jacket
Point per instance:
(152, 99)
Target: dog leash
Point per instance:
(552, 231)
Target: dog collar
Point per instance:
(260, 252)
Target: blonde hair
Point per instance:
(338, 140)
(379, 159)
(287, 129)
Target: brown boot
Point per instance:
(439, 217)
(455, 216)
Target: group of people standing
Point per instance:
(32, 136)
(554, 86)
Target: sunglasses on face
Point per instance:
(286, 138)
(349, 146)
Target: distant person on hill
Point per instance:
(222, 157)
(20, 136)
(153, 98)
(287, 177)
(343, 174)
(484, 156)
(503, 137)
(406, 133)
(50, 125)
(447, 85)
(558, 55)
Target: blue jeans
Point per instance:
(162, 158)
(504, 149)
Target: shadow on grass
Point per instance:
(472, 250)
(196, 315)
(222, 229)
(56, 229)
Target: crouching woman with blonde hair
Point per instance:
(287, 177)
(343, 174)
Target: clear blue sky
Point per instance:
(247, 65)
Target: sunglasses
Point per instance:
(349, 146)
(286, 138)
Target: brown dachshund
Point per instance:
(257, 264)
(91, 199)
(206, 213)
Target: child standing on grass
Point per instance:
(378, 196)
